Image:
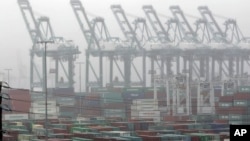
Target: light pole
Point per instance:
(8, 70)
(80, 84)
(45, 86)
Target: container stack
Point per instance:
(234, 108)
(91, 105)
(113, 105)
(37, 110)
(65, 98)
(130, 94)
(145, 109)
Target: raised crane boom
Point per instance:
(40, 30)
(156, 24)
(86, 27)
(213, 27)
(125, 26)
(186, 29)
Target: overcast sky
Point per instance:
(15, 41)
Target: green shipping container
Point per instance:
(243, 103)
(79, 130)
(133, 138)
(206, 137)
(230, 92)
(80, 139)
(225, 104)
(136, 89)
(244, 89)
(236, 117)
(111, 97)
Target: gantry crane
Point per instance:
(102, 44)
(164, 54)
(213, 35)
(134, 48)
(62, 51)
(92, 42)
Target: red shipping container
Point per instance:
(104, 139)
(8, 138)
(241, 96)
(58, 130)
(160, 95)
(238, 110)
(180, 126)
(150, 138)
(147, 133)
(227, 98)
(223, 111)
(221, 121)
(21, 101)
(195, 138)
(55, 139)
(116, 105)
(184, 131)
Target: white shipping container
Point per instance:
(155, 119)
(16, 117)
(66, 101)
(180, 110)
(149, 113)
(144, 107)
(137, 113)
(114, 111)
(206, 110)
(163, 109)
(42, 110)
(42, 103)
(42, 116)
(145, 102)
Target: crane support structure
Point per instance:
(63, 52)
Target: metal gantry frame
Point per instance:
(64, 53)
(164, 52)
(181, 98)
(205, 97)
(134, 47)
(197, 53)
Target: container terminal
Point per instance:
(167, 79)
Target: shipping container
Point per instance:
(109, 97)
(244, 89)
(42, 116)
(241, 96)
(244, 103)
(8, 138)
(79, 129)
(145, 102)
(15, 117)
(114, 105)
(114, 113)
(26, 137)
(115, 133)
(65, 101)
(226, 98)
(144, 107)
(80, 139)
(133, 138)
(41, 103)
(230, 92)
(225, 104)
(204, 137)
(41, 110)
(133, 94)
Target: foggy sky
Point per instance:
(15, 41)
